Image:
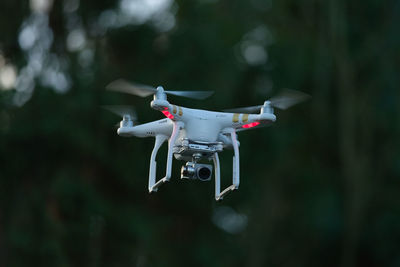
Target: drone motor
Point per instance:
(126, 121)
(267, 107)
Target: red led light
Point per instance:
(250, 125)
(167, 114)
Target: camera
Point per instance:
(195, 171)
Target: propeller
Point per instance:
(146, 90)
(284, 100)
(123, 111)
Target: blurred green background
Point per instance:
(318, 188)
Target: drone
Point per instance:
(195, 135)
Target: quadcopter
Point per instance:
(195, 135)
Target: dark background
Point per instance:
(318, 188)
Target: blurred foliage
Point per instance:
(318, 188)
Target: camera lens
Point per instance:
(204, 173)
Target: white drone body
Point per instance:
(192, 134)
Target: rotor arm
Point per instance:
(235, 177)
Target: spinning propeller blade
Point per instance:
(122, 111)
(250, 109)
(124, 86)
(146, 90)
(288, 98)
(192, 94)
(284, 100)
